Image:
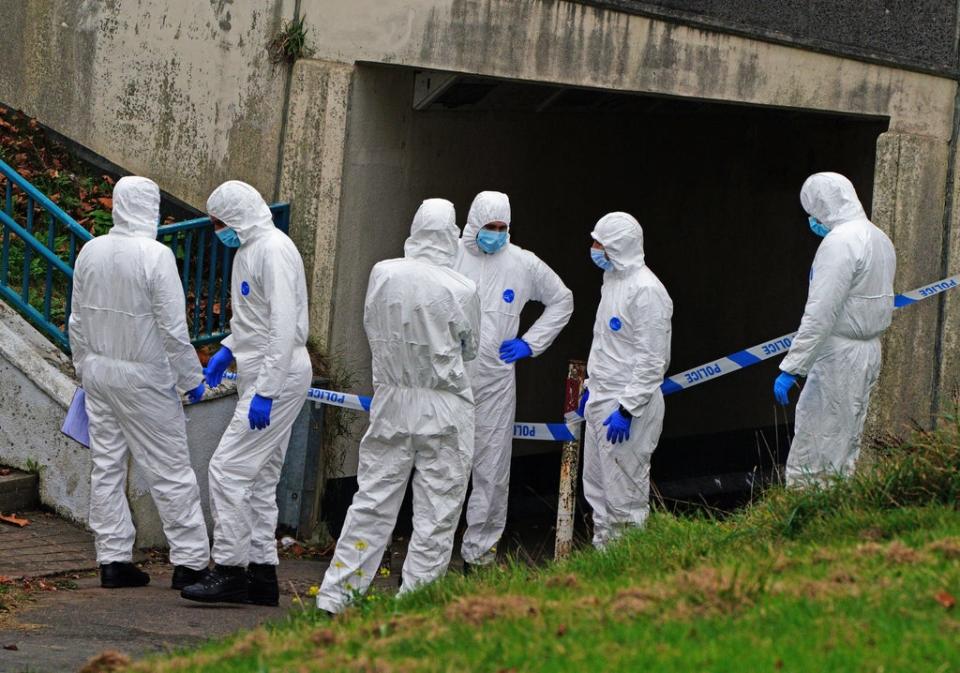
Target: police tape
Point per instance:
(547, 432)
(564, 432)
(779, 346)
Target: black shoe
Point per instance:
(184, 576)
(262, 585)
(118, 574)
(223, 584)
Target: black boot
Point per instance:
(223, 584)
(184, 576)
(118, 574)
(262, 585)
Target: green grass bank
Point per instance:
(859, 575)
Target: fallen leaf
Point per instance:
(11, 647)
(14, 520)
(5, 471)
(105, 201)
(945, 599)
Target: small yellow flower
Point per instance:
(360, 545)
(384, 572)
(313, 591)
(359, 572)
(296, 600)
(339, 564)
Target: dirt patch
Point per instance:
(949, 548)
(634, 601)
(568, 581)
(823, 556)
(480, 609)
(840, 583)
(586, 602)
(782, 563)
(895, 552)
(711, 591)
(107, 662)
(873, 534)
(254, 641)
(323, 637)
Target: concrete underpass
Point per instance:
(715, 186)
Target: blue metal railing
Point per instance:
(205, 265)
(25, 256)
(29, 255)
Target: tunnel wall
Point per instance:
(715, 188)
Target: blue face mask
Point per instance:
(599, 258)
(817, 227)
(229, 237)
(490, 241)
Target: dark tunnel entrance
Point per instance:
(715, 187)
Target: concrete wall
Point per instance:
(908, 204)
(180, 91)
(919, 35)
(36, 387)
(185, 94)
(567, 42)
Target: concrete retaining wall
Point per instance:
(36, 386)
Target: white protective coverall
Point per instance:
(837, 349)
(268, 339)
(131, 348)
(422, 321)
(628, 360)
(506, 281)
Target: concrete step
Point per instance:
(19, 491)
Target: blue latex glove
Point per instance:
(618, 427)
(196, 394)
(259, 414)
(782, 386)
(514, 349)
(583, 401)
(213, 372)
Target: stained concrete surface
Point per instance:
(62, 630)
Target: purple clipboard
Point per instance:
(76, 425)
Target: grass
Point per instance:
(290, 43)
(860, 575)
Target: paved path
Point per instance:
(61, 630)
(49, 545)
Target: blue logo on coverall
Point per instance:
(244, 288)
(508, 296)
(615, 324)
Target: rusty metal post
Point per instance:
(569, 463)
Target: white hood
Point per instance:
(831, 198)
(240, 207)
(136, 207)
(487, 207)
(433, 234)
(622, 238)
